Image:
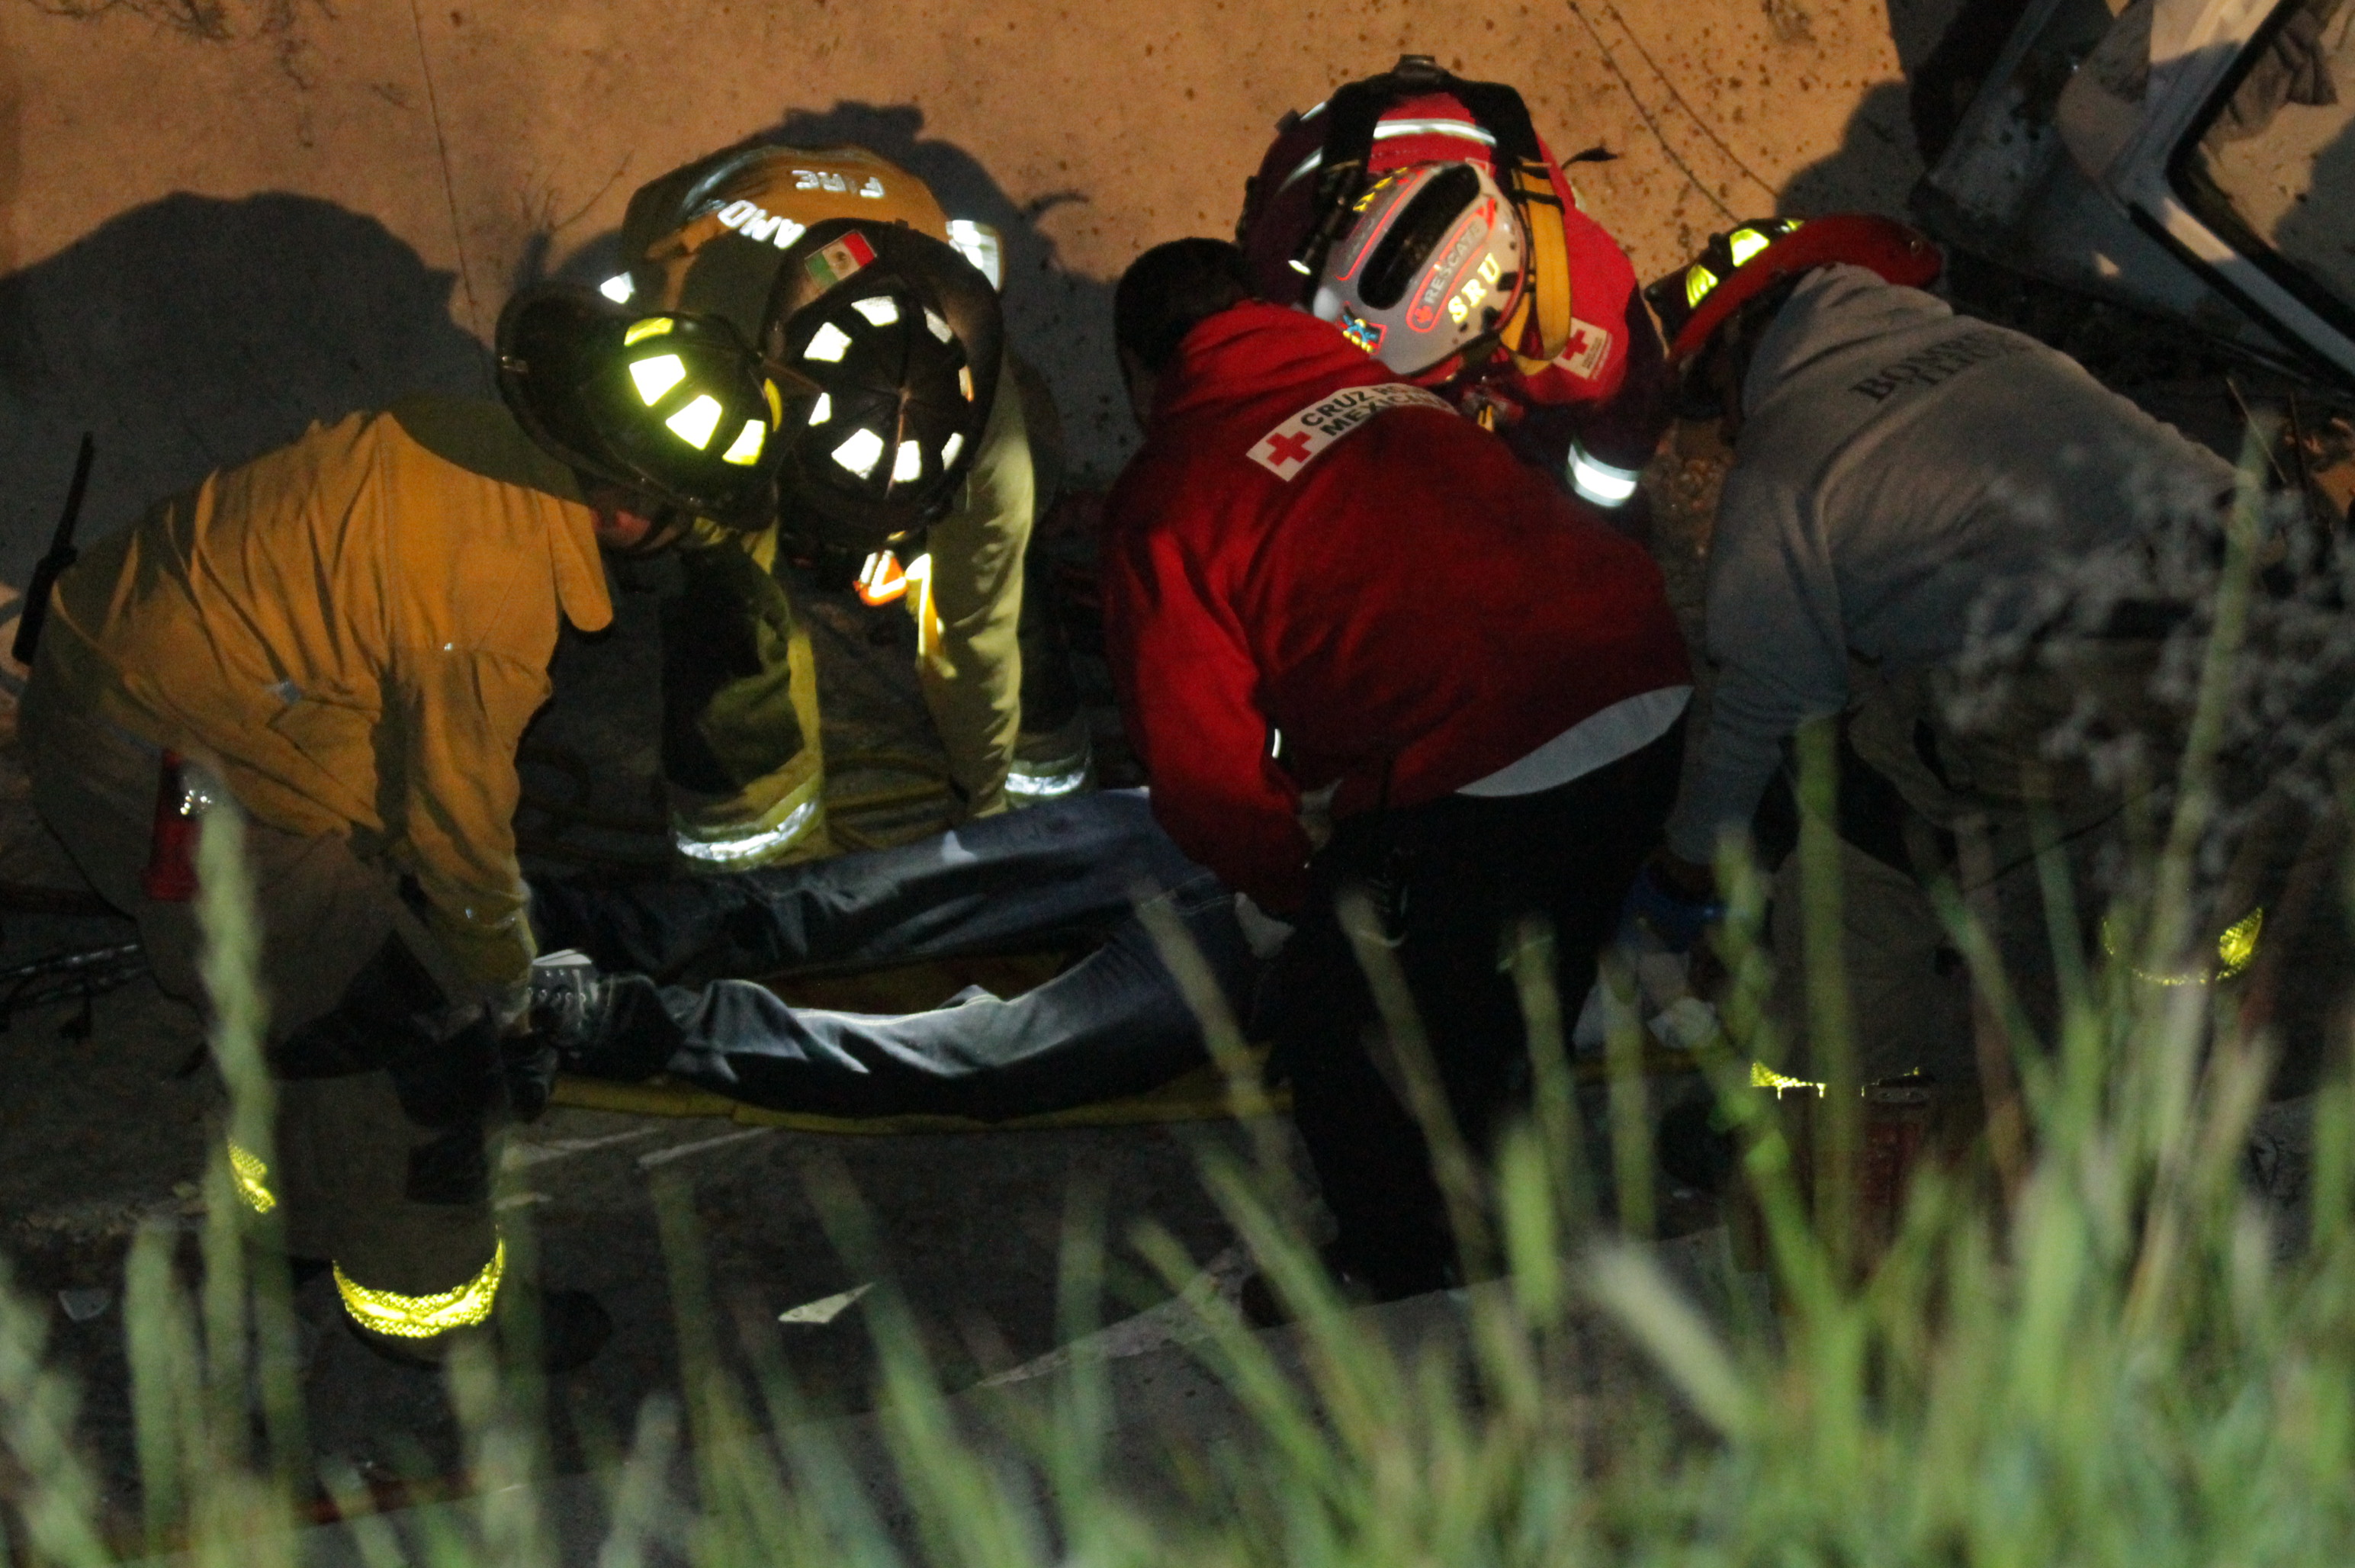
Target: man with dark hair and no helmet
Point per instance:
(1361, 649)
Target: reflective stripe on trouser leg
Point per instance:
(251, 1175)
(794, 817)
(1601, 482)
(1048, 766)
(779, 815)
(370, 1183)
(389, 1312)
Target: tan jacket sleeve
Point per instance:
(461, 715)
(970, 664)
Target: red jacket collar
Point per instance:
(1251, 351)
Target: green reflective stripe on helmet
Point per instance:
(1699, 281)
(653, 327)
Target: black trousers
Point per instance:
(1466, 871)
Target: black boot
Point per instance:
(1264, 1307)
(573, 1327)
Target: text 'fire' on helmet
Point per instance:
(672, 407)
(902, 338)
(1431, 266)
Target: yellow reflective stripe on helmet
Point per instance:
(1764, 1077)
(746, 449)
(252, 1178)
(1744, 243)
(653, 327)
(656, 374)
(399, 1316)
(1699, 281)
(694, 424)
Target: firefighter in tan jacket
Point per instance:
(347, 638)
(742, 751)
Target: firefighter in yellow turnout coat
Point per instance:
(347, 638)
(742, 751)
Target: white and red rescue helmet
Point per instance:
(1432, 262)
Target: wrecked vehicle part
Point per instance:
(2171, 166)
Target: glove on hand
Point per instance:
(528, 1063)
(1675, 919)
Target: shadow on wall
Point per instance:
(1873, 170)
(1060, 321)
(1942, 50)
(192, 334)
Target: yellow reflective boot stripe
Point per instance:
(2235, 949)
(1764, 1077)
(389, 1313)
(2238, 945)
(252, 1179)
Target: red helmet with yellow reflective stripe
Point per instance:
(1743, 263)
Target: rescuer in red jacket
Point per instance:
(1417, 190)
(1356, 643)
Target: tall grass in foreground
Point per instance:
(2087, 1354)
(2100, 1363)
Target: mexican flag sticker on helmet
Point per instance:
(840, 259)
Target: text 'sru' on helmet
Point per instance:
(1743, 263)
(902, 338)
(671, 406)
(1431, 266)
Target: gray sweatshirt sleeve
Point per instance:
(1775, 633)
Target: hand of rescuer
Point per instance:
(1674, 899)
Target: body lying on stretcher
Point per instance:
(678, 993)
(805, 995)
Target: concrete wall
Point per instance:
(220, 220)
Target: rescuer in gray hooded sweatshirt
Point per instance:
(1907, 543)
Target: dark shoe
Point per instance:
(573, 1327)
(1264, 1307)
(570, 1000)
(529, 1064)
(1696, 1149)
(600, 1026)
